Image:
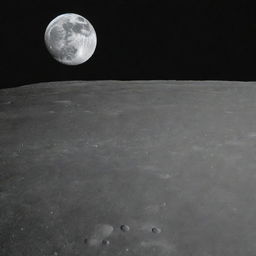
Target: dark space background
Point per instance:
(137, 40)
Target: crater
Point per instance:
(106, 242)
(156, 230)
(125, 228)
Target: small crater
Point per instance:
(156, 230)
(106, 242)
(125, 228)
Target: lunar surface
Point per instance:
(70, 39)
(128, 168)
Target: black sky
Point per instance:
(188, 40)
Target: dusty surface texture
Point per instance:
(128, 168)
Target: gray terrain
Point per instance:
(128, 168)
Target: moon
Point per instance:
(70, 39)
(162, 168)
